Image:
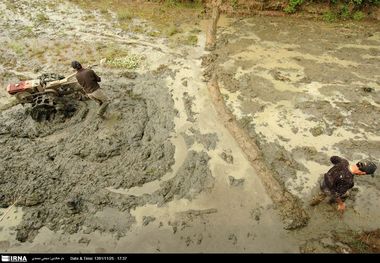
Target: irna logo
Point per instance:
(13, 258)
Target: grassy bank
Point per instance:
(166, 17)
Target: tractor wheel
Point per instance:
(43, 107)
(24, 97)
(43, 113)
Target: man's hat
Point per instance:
(76, 65)
(367, 166)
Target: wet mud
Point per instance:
(62, 168)
(324, 97)
(148, 177)
(302, 102)
(161, 173)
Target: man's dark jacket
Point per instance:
(88, 79)
(339, 179)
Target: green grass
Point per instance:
(234, 4)
(345, 12)
(172, 30)
(161, 16)
(89, 17)
(124, 15)
(41, 19)
(292, 6)
(184, 4)
(16, 47)
(154, 33)
(358, 15)
(127, 62)
(191, 40)
(330, 16)
(104, 11)
(11, 6)
(137, 29)
(28, 31)
(111, 52)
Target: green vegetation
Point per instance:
(89, 17)
(28, 31)
(16, 47)
(185, 39)
(363, 2)
(153, 33)
(172, 30)
(330, 16)
(117, 56)
(358, 15)
(292, 6)
(104, 11)
(53, 3)
(12, 6)
(338, 9)
(162, 14)
(345, 12)
(123, 15)
(191, 40)
(110, 52)
(184, 3)
(127, 62)
(41, 18)
(234, 4)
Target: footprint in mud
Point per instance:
(147, 220)
(188, 240)
(227, 156)
(199, 239)
(233, 238)
(236, 182)
(84, 240)
(195, 239)
(251, 236)
(256, 214)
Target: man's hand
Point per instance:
(341, 207)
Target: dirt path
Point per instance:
(161, 173)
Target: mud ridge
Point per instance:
(290, 207)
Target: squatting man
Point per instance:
(340, 178)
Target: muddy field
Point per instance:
(161, 173)
(304, 102)
(306, 92)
